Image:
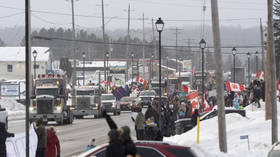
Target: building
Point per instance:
(12, 62)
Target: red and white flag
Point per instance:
(235, 87)
(193, 98)
(260, 75)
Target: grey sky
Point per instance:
(189, 11)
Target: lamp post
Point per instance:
(234, 53)
(202, 45)
(107, 67)
(159, 26)
(167, 72)
(257, 62)
(35, 54)
(84, 57)
(132, 57)
(249, 77)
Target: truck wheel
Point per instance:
(119, 112)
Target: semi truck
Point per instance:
(87, 101)
(50, 100)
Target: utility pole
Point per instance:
(74, 73)
(270, 87)
(127, 43)
(219, 76)
(27, 72)
(143, 48)
(262, 44)
(176, 44)
(104, 46)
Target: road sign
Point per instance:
(9, 89)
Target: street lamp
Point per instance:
(159, 26)
(35, 54)
(132, 55)
(249, 77)
(202, 45)
(234, 53)
(84, 57)
(167, 69)
(257, 62)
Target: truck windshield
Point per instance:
(47, 91)
(85, 92)
(107, 97)
(147, 93)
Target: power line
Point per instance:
(134, 44)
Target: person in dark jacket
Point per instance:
(115, 148)
(53, 145)
(3, 136)
(194, 117)
(128, 144)
(139, 125)
(42, 138)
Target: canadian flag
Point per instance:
(206, 106)
(235, 87)
(260, 75)
(185, 88)
(193, 98)
(141, 80)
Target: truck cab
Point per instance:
(146, 97)
(50, 99)
(4, 116)
(109, 103)
(87, 101)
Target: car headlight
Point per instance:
(58, 108)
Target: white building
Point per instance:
(12, 62)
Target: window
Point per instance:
(146, 151)
(35, 66)
(9, 68)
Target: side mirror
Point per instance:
(2, 109)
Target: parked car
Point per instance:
(126, 103)
(214, 112)
(148, 149)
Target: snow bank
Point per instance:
(12, 106)
(254, 125)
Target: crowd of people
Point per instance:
(252, 95)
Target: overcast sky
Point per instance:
(175, 13)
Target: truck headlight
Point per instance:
(58, 108)
(114, 105)
(72, 108)
(95, 106)
(31, 109)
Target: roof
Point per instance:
(18, 53)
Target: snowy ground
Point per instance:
(254, 125)
(13, 107)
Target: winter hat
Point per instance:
(125, 135)
(39, 122)
(113, 134)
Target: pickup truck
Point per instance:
(4, 116)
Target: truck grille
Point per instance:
(83, 103)
(107, 106)
(44, 106)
